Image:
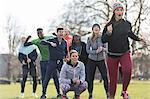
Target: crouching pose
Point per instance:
(72, 76)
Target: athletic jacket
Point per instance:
(118, 42)
(91, 48)
(68, 72)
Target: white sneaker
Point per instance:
(34, 95)
(22, 95)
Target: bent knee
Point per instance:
(65, 87)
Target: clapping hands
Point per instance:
(99, 49)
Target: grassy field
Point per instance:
(137, 90)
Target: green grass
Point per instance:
(137, 90)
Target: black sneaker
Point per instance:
(59, 96)
(43, 97)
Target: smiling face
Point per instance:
(60, 33)
(66, 32)
(74, 57)
(119, 13)
(96, 29)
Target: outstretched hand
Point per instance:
(143, 40)
(53, 44)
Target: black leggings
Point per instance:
(24, 81)
(32, 71)
(91, 68)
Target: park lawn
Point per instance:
(137, 90)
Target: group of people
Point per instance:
(72, 63)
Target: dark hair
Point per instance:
(39, 29)
(59, 29)
(73, 38)
(112, 19)
(94, 36)
(73, 51)
(95, 25)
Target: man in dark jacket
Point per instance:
(58, 52)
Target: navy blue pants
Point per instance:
(54, 75)
(52, 68)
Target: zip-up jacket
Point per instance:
(118, 42)
(68, 72)
(32, 56)
(91, 48)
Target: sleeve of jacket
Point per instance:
(131, 34)
(66, 50)
(105, 35)
(26, 43)
(63, 78)
(88, 48)
(20, 57)
(84, 50)
(33, 55)
(45, 42)
(82, 73)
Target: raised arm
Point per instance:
(26, 43)
(105, 35)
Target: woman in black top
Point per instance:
(116, 34)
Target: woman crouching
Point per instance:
(72, 76)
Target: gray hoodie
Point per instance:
(91, 48)
(68, 72)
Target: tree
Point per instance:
(81, 14)
(141, 10)
(13, 31)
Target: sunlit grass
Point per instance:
(137, 90)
